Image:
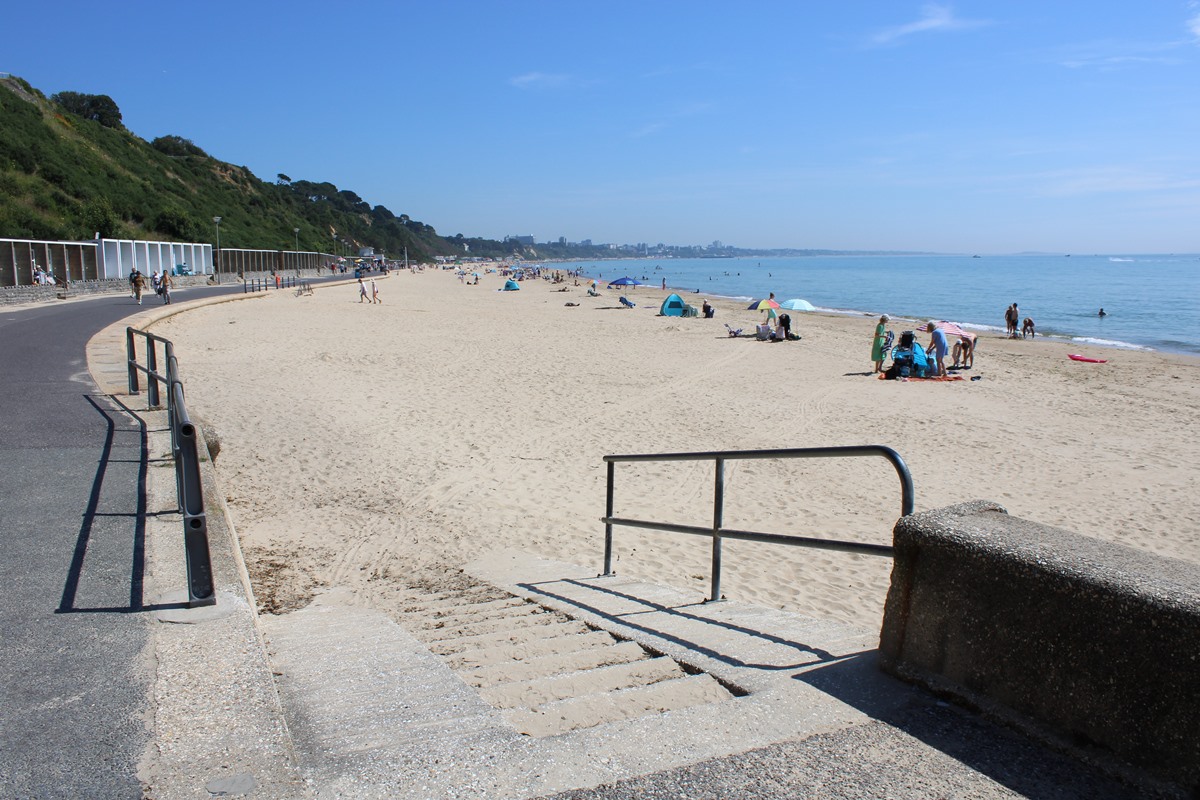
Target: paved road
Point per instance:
(75, 672)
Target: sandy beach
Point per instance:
(372, 447)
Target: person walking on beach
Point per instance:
(877, 352)
(375, 293)
(164, 288)
(132, 276)
(362, 291)
(139, 285)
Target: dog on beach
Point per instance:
(1027, 328)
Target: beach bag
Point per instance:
(902, 363)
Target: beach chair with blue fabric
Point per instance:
(625, 301)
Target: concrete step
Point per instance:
(554, 664)
(518, 636)
(527, 650)
(442, 605)
(493, 623)
(534, 693)
(591, 710)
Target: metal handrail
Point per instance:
(267, 284)
(185, 437)
(719, 532)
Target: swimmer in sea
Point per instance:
(1102, 314)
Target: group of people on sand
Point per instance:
(1012, 318)
(936, 351)
(778, 327)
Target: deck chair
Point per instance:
(763, 333)
(733, 332)
(625, 301)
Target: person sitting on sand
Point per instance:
(785, 327)
(708, 310)
(938, 347)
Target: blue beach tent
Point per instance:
(511, 286)
(673, 306)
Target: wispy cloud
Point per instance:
(1193, 22)
(1115, 54)
(1110, 55)
(680, 112)
(539, 80)
(934, 17)
(648, 130)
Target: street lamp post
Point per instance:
(217, 266)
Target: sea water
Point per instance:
(1150, 301)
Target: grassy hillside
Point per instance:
(64, 176)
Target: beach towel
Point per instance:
(883, 377)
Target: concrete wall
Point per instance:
(1091, 644)
(20, 295)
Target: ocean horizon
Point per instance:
(1150, 301)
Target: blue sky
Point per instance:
(981, 127)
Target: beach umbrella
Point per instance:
(952, 329)
(626, 281)
(797, 304)
(762, 305)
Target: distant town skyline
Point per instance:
(989, 127)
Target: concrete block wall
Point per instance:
(17, 295)
(1090, 644)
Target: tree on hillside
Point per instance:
(98, 107)
(177, 146)
(97, 216)
(177, 225)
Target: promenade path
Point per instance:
(74, 621)
(337, 700)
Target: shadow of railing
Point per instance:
(677, 612)
(91, 513)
